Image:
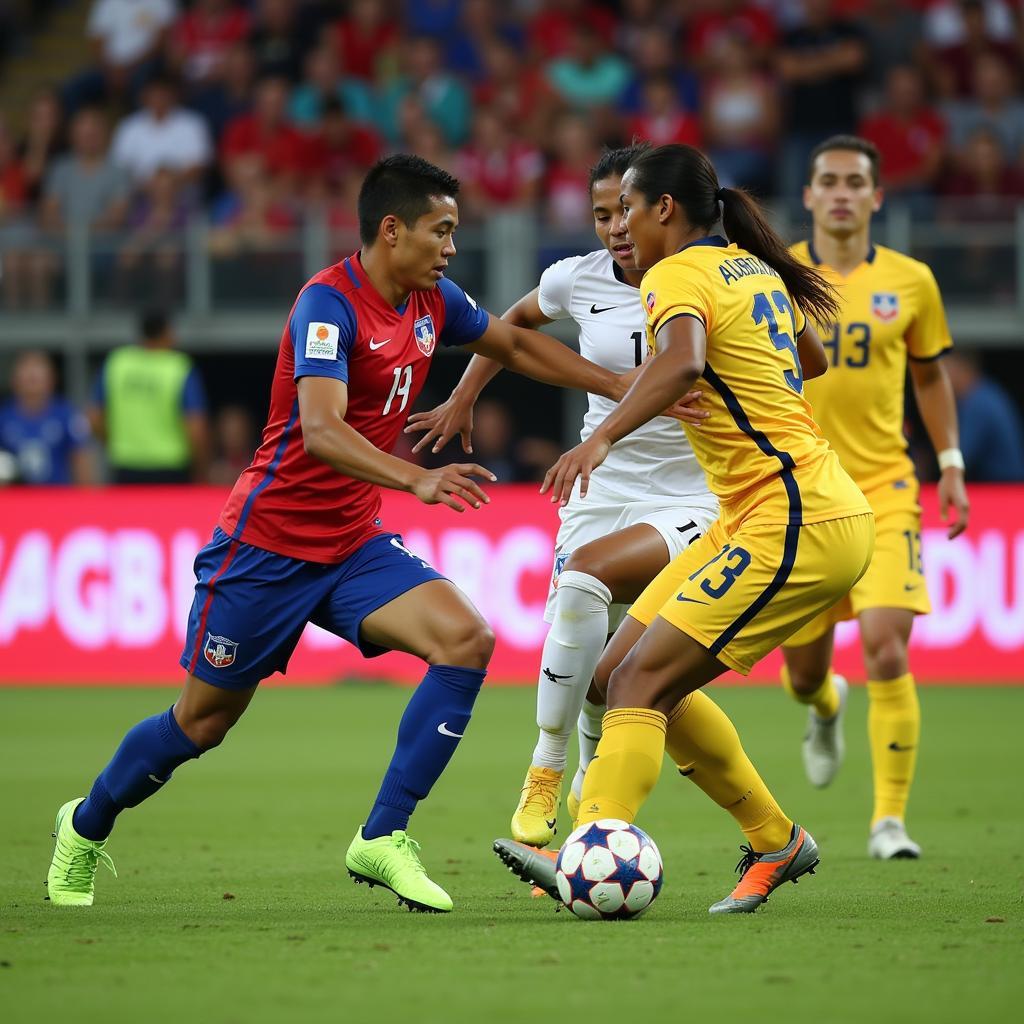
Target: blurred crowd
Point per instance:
(255, 111)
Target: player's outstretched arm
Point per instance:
(662, 381)
(455, 414)
(323, 402)
(935, 402)
(813, 357)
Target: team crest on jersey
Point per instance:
(219, 651)
(650, 302)
(426, 337)
(885, 306)
(560, 560)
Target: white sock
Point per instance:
(588, 728)
(571, 653)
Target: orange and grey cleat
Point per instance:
(761, 873)
(530, 865)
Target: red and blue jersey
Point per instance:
(340, 326)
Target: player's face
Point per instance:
(644, 225)
(422, 252)
(842, 194)
(609, 224)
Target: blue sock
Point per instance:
(148, 754)
(431, 727)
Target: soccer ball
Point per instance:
(609, 870)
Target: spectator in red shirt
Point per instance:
(954, 65)
(266, 134)
(253, 215)
(654, 53)
(516, 90)
(909, 134)
(339, 147)
(13, 181)
(497, 169)
(550, 31)
(663, 119)
(983, 180)
(754, 25)
(366, 36)
(565, 188)
(204, 34)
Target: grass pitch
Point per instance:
(232, 903)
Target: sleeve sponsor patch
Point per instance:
(322, 341)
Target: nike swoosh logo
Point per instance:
(552, 823)
(686, 771)
(554, 676)
(445, 731)
(692, 600)
(899, 750)
(911, 586)
(604, 309)
(376, 345)
(159, 782)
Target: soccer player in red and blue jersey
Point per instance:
(301, 539)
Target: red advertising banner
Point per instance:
(95, 586)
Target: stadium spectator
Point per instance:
(496, 169)
(162, 134)
(910, 135)
(654, 55)
(338, 149)
(127, 38)
(550, 30)
(444, 97)
(751, 24)
(574, 152)
(84, 189)
(221, 101)
(44, 140)
(14, 225)
(588, 74)
(266, 135)
(516, 91)
(234, 441)
(423, 136)
(991, 429)
(639, 17)
(202, 37)
(954, 64)
(430, 17)
(663, 118)
(46, 435)
(946, 21)
(149, 407)
(820, 62)
(367, 38)
(282, 33)
(252, 215)
(740, 115)
(479, 24)
(983, 180)
(323, 80)
(892, 35)
(994, 105)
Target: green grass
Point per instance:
(268, 816)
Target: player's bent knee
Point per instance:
(886, 658)
(209, 731)
(469, 645)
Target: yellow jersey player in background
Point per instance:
(793, 535)
(890, 310)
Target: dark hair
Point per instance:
(615, 162)
(687, 175)
(847, 144)
(153, 324)
(402, 185)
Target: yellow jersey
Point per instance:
(890, 308)
(760, 449)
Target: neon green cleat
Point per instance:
(536, 818)
(72, 875)
(393, 861)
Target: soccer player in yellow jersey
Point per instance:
(794, 532)
(890, 310)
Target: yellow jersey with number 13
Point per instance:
(763, 454)
(890, 308)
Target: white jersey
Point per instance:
(656, 459)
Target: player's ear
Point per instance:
(389, 230)
(666, 205)
(877, 200)
(807, 197)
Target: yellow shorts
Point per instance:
(895, 577)
(742, 594)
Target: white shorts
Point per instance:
(679, 520)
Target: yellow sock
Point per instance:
(626, 766)
(705, 744)
(894, 728)
(824, 700)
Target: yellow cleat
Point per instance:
(536, 817)
(572, 805)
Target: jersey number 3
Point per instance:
(764, 312)
(400, 389)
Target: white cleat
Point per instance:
(824, 746)
(889, 841)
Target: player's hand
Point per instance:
(953, 499)
(442, 423)
(687, 410)
(580, 462)
(452, 485)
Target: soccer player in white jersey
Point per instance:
(646, 503)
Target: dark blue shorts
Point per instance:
(251, 605)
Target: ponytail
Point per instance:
(746, 225)
(687, 175)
